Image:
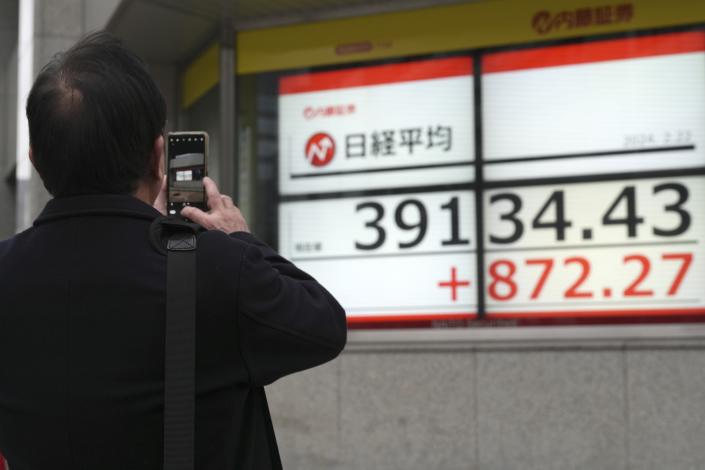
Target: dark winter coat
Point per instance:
(82, 303)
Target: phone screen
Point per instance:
(186, 167)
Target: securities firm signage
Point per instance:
(382, 126)
(547, 21)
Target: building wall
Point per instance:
(8, 98)
(614, 406)
(58, 24)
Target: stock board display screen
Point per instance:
(548, 183)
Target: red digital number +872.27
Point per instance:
(503, 287)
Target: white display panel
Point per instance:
(632, 247)
(592, 184)
(601, 107)
(386, 126)
(405, 255)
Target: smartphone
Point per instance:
(186, 165)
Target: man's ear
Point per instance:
(31, 157)
(156, 159)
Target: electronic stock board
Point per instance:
(555, 182)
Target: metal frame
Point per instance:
(690, 335)
(343, 12)
(227, 160)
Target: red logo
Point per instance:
(320, 149)
(327, 111)
(545, 21)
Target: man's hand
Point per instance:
(224, 215)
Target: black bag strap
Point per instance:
(180, 343)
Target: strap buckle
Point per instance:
(170, 234)
(181, 241)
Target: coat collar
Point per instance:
(96, 204)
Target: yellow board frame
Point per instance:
(200, 76)
(473, 25)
